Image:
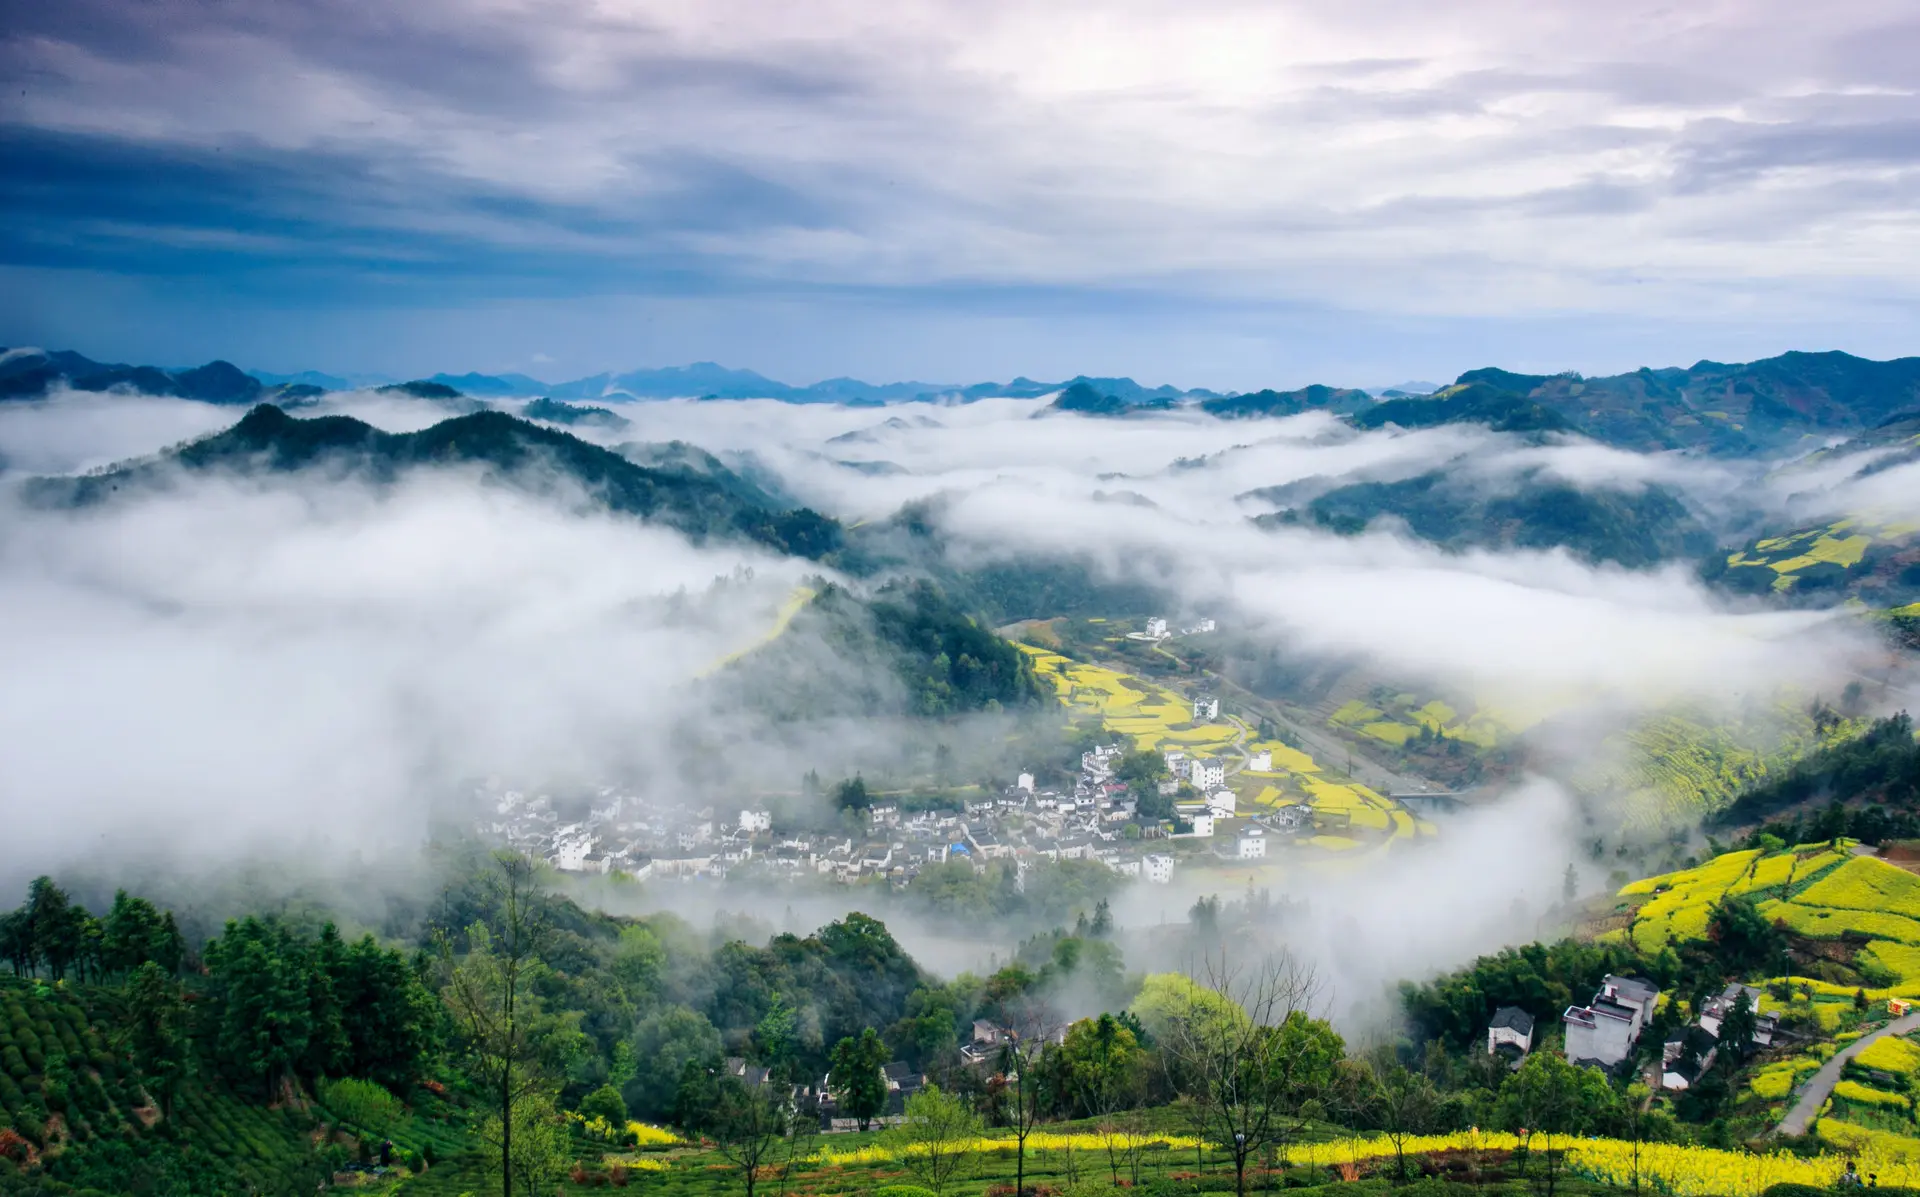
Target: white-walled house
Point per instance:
(1261, 761)
(756, 820)
(1157, 628)
(1604, 1031)
(1223, 803)
(1205, 706)
(1207, 774)
(1253, 844)
(1025, 782)
(1157, 869)
(1511, 1028)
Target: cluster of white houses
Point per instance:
(1605, 1032)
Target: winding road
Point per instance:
(1821, 1083)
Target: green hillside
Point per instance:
(509, 451)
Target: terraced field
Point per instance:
(1348, 815)
(1817, 891)
(1670, 770)
(1404, 716)
(1841, 544)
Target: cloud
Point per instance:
(1367, 162)
(228, 668)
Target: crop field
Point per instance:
(1673, 1169)
(1814, 890)
(1403, 716)
(1350, 815)
(1842, 544)
(1671, 769)
(1150, 716)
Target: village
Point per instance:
(1097, 819)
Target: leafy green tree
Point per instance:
(534, 1147)
(665, 1044)
(1141, 770)
(134, 931)
(260, 979)
(852, 794)
(56, 925)
(605, 1102)
(1553, 1097)
(859, 1083)
(16, 941)
(1251, 1080)
(1738, 1026)
(155, 1032)
(935, 1140)
(1101, 1066)
(509, 1039)
(1744, 941)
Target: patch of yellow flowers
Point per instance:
(1674, 1169)
(1038, 1141)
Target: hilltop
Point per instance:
(511, 451)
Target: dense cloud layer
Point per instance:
(233, 665)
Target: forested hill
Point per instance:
(1631, 528)
(510, 451)
(909, 649)
(1725, 409)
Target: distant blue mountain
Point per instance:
(326, 382)
(493, 386)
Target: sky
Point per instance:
(1214, 193)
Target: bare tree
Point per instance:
(1397, 1102)
(489, 993)
(1031, 1020)
(750, 1127)
(1249, 1056)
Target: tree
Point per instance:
(1102, 925)
(1744, 941)
(1101, 1066)
(56, 925)
(936, 1138)
(155, 1032)
(134, 932)
(1553, 1097)
(1397, 1102)
(605, 1103)
(1250, 1079)
(1019, 1087)
(16, 941)
(749, 1126)
(1737, 1027)
(490, 994)
(533, 1147)
(852, 794)
(389, 1019)
(665, 1044)
(859, 1081)
(260, 978)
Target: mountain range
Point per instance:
(1791, 402)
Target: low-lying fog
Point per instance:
(301, 664)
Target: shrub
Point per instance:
(912, 1191)
(363, 1104)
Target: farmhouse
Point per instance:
(755, 820)
(1157, 628)
(1510, 1034)
(1261, 761)
(1253, 844)
(1207, 773)
(1205, 706)
(1157, 869)
(1603, 1032)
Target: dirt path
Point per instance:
(1821, 1083)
